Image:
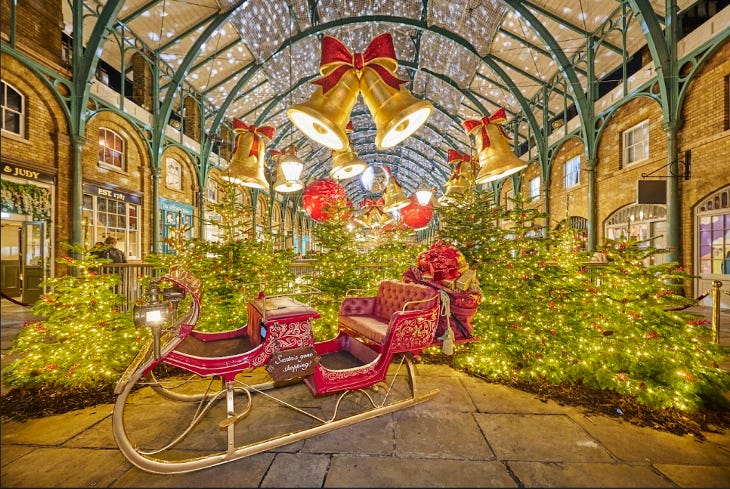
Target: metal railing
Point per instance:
(131, 275)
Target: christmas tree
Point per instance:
(553, 313)
(234, 268)
(84, 339)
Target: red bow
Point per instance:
(291, 150)
(368, 202)
(454, 155)
(258, 132)
(337, 60)
(457, 159)
(499, 117)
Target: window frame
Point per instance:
(105, 217)
(628, 148)
(104, 150)
(5, 109)
(212, 191)
(172, 162)
(533, 187)
(571, 172)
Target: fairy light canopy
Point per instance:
(467, 58)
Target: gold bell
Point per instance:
(245, 169)
(283, 185)
(324, 117)
(397, 113)
(497, 160)
(393, 196)
(346, 164)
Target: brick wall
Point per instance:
(136, 179)
(704, 133)
(35, 19)
(46, 147)
(567, 202)
(616, 182)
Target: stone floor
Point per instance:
(471, 434)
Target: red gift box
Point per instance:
(440, 261)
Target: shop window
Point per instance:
(111, 150)
(713, 234)
(571, 172)
(109, 217)
(173, 174)
(635, 144)
(645, 222)
(13, 109)
(535, 188)
(213, 231)
(180, 221)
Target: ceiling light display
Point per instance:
(397, 113)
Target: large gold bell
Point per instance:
(245, 169)
(324, 117)
(346, 164)
(497, 160)
(397, 113)
(393, 196)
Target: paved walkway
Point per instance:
(472, 434)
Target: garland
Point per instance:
(19, 198)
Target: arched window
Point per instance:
(645, 222)
(111, 149)
(713, 233)
(13, 110)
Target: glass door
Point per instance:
(34, 245)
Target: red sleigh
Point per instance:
(169, 396)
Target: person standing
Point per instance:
(112, 252)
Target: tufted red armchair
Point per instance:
(371, 319)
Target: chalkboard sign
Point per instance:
(293, 363)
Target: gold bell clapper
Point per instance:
(393, 197)
(324, 117)
(346, 164)
(496, 159)
(247, 164)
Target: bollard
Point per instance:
(716, 284)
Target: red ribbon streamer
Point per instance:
(471, 125)
(258, 132)
(337, 60)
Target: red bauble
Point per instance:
(322, 194)
(415, 215)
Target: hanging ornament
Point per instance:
(324, 199)
(496, 159)
(374, 179)
(415, 215)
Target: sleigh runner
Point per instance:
(186, 385)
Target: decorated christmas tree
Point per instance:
(234, 268)
(84, 339)
(555, 314)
